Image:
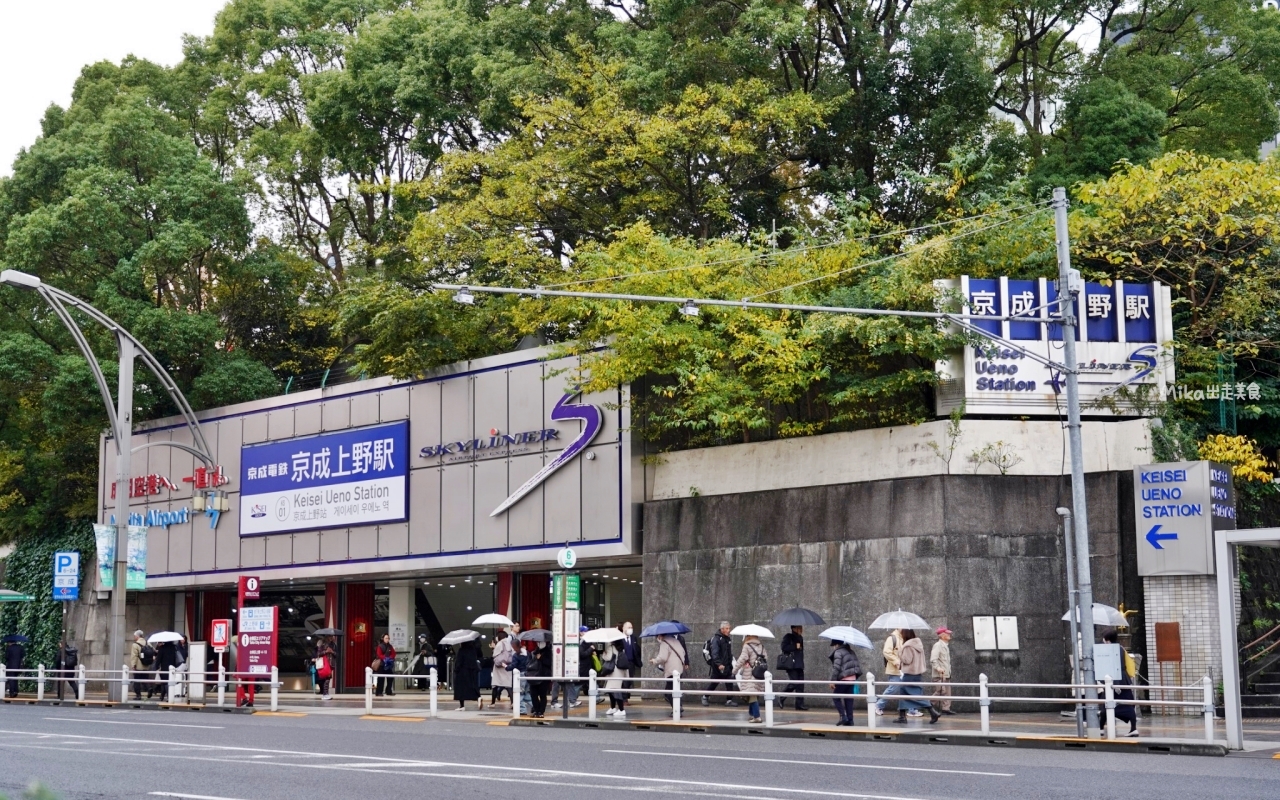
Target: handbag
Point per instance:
(607, 667)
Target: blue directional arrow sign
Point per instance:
(1155, 537)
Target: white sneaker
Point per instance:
(620, 714)
(555, 705)
(326, 697)
(915, 713)
(576, 703)
(879, 712)
(611, 712)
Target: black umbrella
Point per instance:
(535, 635)
(797, 616)
(15, 637)
(326, 632)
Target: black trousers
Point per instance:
(538, 693)
(795, 675)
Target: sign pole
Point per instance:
(124, 454)
(1084, 584)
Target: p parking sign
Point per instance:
(66, 575)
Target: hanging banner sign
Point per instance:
(334, 480)
(256, 651)
(105, 536)
(1121, 352)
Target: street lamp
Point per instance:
(1071, 286)
(121, 418)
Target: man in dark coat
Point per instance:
(466, 673)
(14, 655)
(720, 661)
(792, 660)
(166, 657)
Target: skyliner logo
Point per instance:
(592, 422)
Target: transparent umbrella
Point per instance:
(1104, 615)
(847, 634)
(752, 630)
(603, 635)
(500, 620)
(900, 620)
(460, 636)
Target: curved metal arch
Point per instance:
(188, 448)
(56, 298)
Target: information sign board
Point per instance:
(66, 575)
(257, 639)
(1177, 507)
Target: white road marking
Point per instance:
(189, 796)
(376, 764)
(815, 763)
(117, 722)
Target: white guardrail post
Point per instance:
(222, 684)
(124, 683)
(275, 688)
(1209, 712)
(871, 700)
(368, 690)
(592, 691)
(768, 699)
(40, 681)
(675, 696)
(515, 694)
(984, 703)
(80, 683)
(435, 686)
(1109, 693)
(172, 684)
(4, 680)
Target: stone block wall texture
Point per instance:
(1192, 602)
(948, 547)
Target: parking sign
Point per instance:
(66, 575)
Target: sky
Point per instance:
(44, 44)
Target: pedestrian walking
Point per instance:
(845, 672)
(503, 652)
(791, 661)
(718, 652)
(385, 666)
(539, 667)
(911, 659)
(750, 667)
(166, 659)
(670, 661)
(615, 678)
(68, 661)
(940, 664)
(1126, 709)
(142, 657)
(14, 655)
(629, 657)
(326, 651)
(466, 673)
(892, 668)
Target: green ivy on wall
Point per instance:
(29, 569)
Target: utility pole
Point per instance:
(1073, 609)
(124, 455)
(1069, 287)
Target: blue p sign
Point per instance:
(65, 563)
(66, 575)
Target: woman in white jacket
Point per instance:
(753, 653)
(503, 652)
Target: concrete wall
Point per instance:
(885, 453)
(89, 620)
(947, 547)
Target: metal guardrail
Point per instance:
(177, 682)
(1203, 689)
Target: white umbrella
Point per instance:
(460, 636)
(1103, 615)
(900, 620)
(848, 634)
(752, 630)
(603, 635)
(164, 636)
(500, 620)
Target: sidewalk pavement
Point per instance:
(1261, 735)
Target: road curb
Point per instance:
(963, 738)
(143, 706)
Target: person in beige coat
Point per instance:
(940, 663)
(913, 667)
(753, 653)
(892, 668)
(613, 683)
(670, 659)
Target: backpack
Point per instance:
(147, 655)
(760, 668)
(707, 649)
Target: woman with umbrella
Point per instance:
(466, 673)
(913, 664)
(750, 667)
(845, 671)
(503, 652)
(540, 666)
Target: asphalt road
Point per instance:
(95, 753)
